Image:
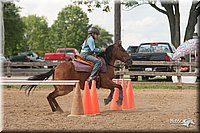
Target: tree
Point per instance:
(171, 9)
(70, 28)
(105, 38)
(35, 35)
(13, 28)
(192, 21)
(92, 4)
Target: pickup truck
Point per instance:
(61, 54)
(155, 51)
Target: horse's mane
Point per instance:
(107, 55)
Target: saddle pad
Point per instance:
(81, 67)
(103, 67)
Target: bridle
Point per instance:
(118, 67)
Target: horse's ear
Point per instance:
(118, 43)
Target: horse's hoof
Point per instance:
(106, 101)
(119, 102)
(59, 111)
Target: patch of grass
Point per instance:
(163, 87)
(18, 86)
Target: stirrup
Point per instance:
(90, 79)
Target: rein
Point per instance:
(107, 56)
(107, 62)
(115, 66)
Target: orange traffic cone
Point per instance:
(114, 105)
(124, 103)
(94, 98)
(77, 104)
(87, 103)
(130, 96)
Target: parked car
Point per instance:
(61, 54)
(2, 58)
(26, 57)
(155, 51)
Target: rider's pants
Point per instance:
(93, 59)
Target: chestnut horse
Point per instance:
(66, 71)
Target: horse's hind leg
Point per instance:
(59, 91)
(50, 98)
(53, 103)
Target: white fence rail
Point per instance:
(39, 82)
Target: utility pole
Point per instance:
(117, 20)
(1, 28)
(117, 25)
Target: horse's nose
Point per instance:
(128, 62)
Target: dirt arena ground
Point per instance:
(156, 110)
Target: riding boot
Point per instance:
(94, 77)
(90, 80)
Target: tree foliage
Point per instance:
(70, 28)
(35, 35)
(104, 39)
(13, 28)
(31, 33)
(92, 4)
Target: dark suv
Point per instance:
(131, 49)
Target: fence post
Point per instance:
(8, 69)
(178, 75)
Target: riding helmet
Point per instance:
(93, 30)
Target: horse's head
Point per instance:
(121, 54)
(117, 52)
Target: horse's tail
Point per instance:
(43, 76)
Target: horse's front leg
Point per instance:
(120, 98)
(110, 97)
(111, 85)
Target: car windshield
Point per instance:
(69, 52)
(131, 49)
(154, 48)
(32, 54)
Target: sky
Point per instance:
(141, 24)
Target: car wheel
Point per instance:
(133, 78)
(169, 78)
(117, 77)
(145, 77)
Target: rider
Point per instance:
(88, 49)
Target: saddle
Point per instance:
(79, 58)
(82, 65)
